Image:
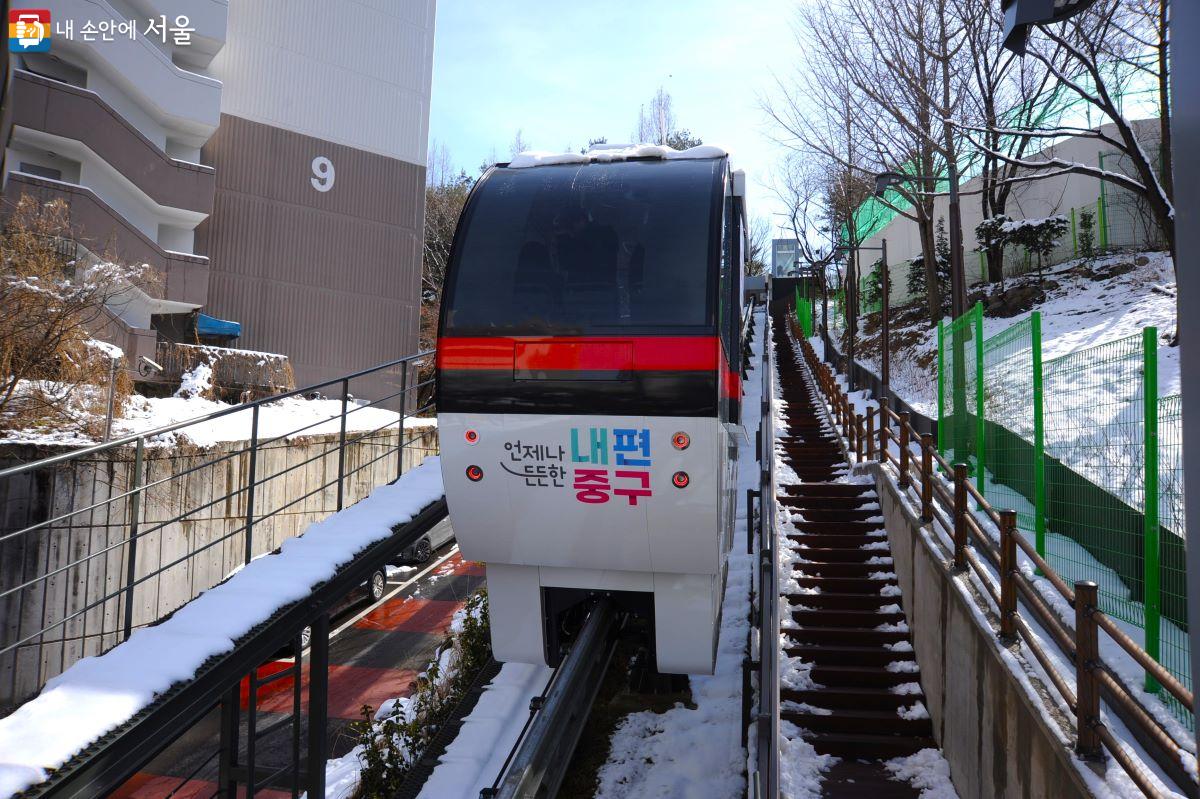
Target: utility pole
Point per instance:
(886, 345)
(851, 304)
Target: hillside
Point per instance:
(1081, 305)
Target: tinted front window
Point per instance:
(586, 249)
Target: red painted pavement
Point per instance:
(350, 687)
(457, 566)
(411, 615)
(151, 786)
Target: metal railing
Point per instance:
(764, 781)
(98, 541)
(1017, 601)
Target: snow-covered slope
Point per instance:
(1082, 307)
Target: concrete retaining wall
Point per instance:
(205, 546)
(992, 731)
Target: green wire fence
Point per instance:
(1175, 651)
(1087, 454)
(1012, 393)
(960, 392)
(805, 310)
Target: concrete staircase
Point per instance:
(853, 629)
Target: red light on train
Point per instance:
(680, 479)
(471, 436)
(681, 441)
(474, 474)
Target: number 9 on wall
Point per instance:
(323, 173)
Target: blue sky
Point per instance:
(563, 72)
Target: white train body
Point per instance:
(588, 396)
(553, 511)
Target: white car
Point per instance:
(422, 549)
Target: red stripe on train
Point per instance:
(731, 384)
(591, 353)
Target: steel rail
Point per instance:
(539, 765)
(766, 783)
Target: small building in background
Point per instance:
(1121, 221)
(783, 257)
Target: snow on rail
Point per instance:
(97, 694)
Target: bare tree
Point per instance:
(1093, 56)
(1000, 90)
(518, 144)
(657, 120)
(871, 98)
(760, 246)
(656, 124)
(53, 300)
(807, 188)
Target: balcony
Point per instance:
(50, 106)
(186, 101)
(184, 278)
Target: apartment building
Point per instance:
(113, 124)
(265, 157)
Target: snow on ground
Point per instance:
(1080, 313)
(697, 751)
(927, 771)
(473, 759)
(291, 417)
(99, 693)
(196, 382)
(800, 767)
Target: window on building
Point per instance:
(41, 171)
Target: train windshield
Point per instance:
(583, 249)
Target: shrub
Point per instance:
(392, 744)
(1087, 235)
(52, 302)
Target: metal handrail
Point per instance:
(86, 593)
(766, 778)
(1094, 669)
(1105, 622)
(170, 428)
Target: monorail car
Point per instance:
(588, 395)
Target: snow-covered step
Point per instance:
(858, 696)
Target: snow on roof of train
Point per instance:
(605, 154)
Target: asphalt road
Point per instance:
(375, 653)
